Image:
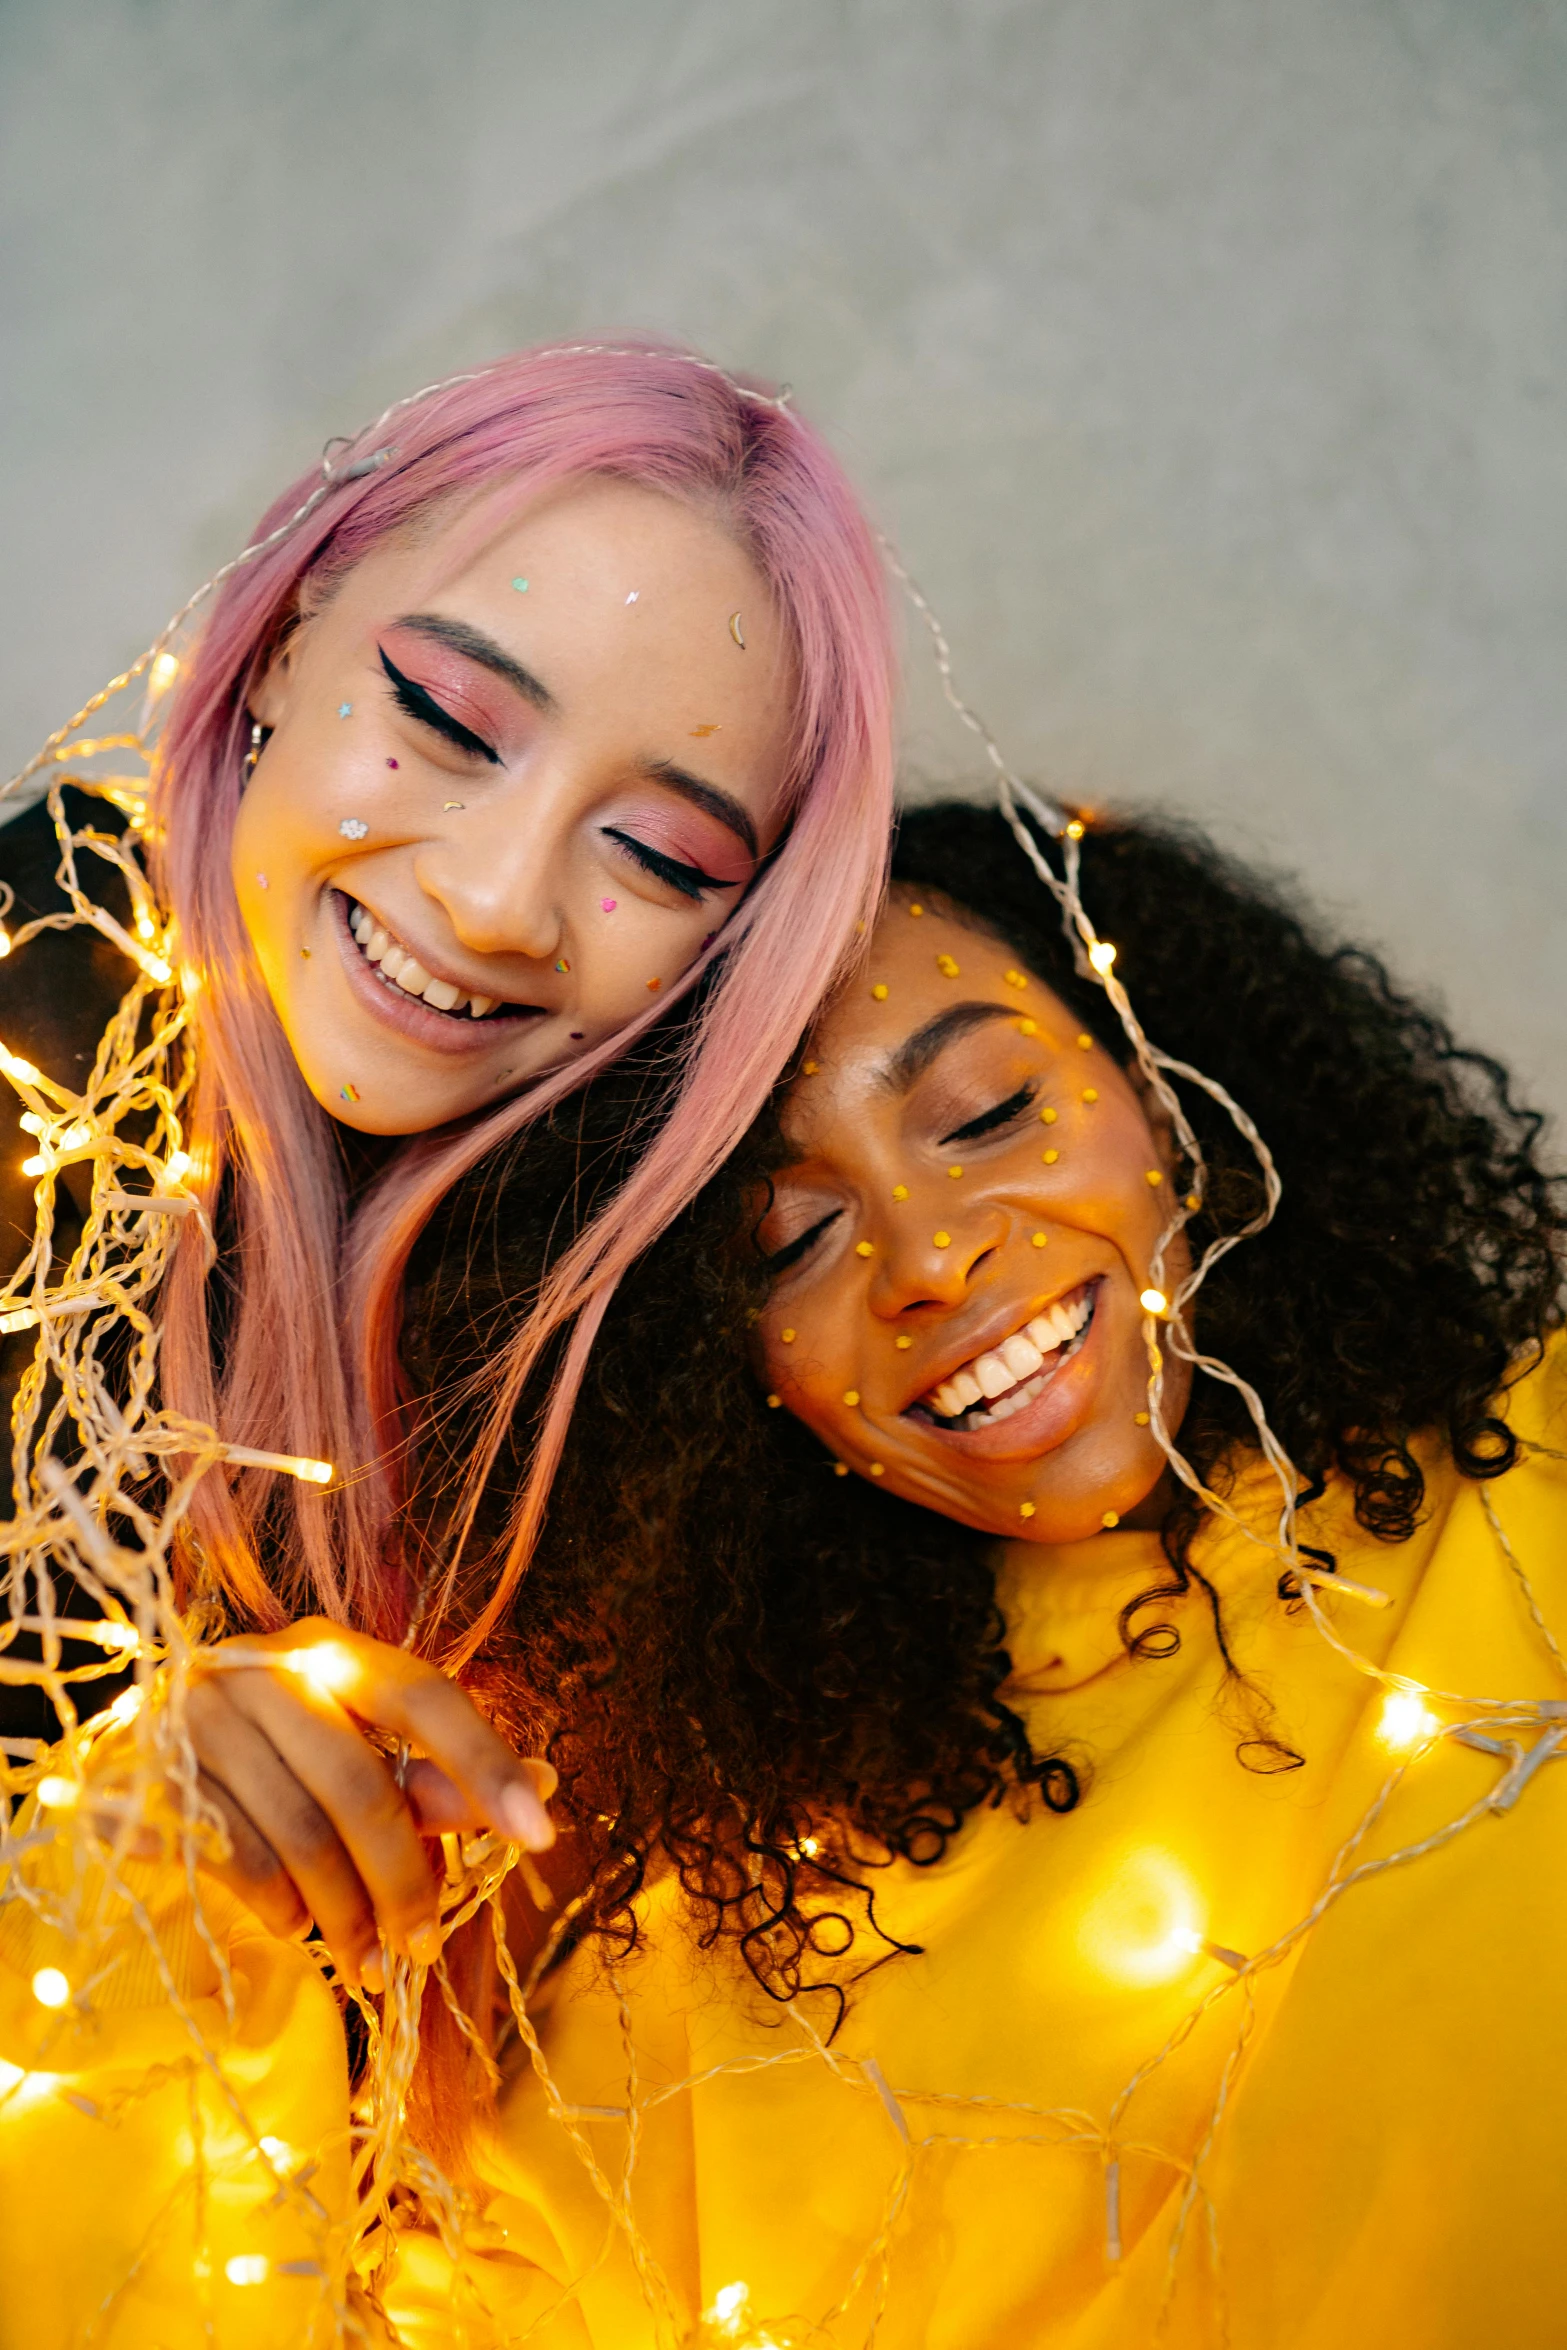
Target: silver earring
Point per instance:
(248, 768)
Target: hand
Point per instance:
(319, 1828)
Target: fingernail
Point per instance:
(424, 1945)
(523, 1817)
(372, 1970)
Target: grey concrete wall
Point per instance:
(1205, 356)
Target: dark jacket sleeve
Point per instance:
(57, 994)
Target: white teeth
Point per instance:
(379, 946)
(1008, 1376)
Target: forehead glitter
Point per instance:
(608, 905)
(353, 828)
(521, 586)
(345, 709)
(348, 1093)
(736, 631)
(698, 732)
(631, 599)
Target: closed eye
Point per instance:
(991, 1121)
(416, 702)
(793, 1250)
(690, 880)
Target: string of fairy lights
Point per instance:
(81, 1807)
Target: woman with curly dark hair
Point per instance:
(1052, 1919)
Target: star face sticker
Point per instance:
(353, 828)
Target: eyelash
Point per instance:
(416, 702)
(991, 1121)
(793, 1250)
(690, 880)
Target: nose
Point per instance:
(925, 1264)
(498, 872)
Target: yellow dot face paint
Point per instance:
(1090, 1093)
(787, 1337)
(954, 1172)
(1028, 1028)
(877, 1470)
(1141, 1418)
(1040, 1238)
(1154, 1177)
(864, 1248)
(903, 1344)
(1025, 1509)
(1048, 1117)
(1111, 1518)
(947, 967)
(879, 991)
(851, 1396)
(1017, 979)
(916, 910)
(900, 1191)
(1051, 1157)
(943, 1239)
(1086, 1041)
(773, 1402)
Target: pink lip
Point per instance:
(1062, 1405)
(406, 1016)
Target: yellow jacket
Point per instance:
(1352, 2146)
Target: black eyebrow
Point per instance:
(481, 648)
(914, 1056)
(706, 796)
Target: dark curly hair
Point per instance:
(722, 1645)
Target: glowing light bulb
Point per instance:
(727, 2313)
(1143, 1924)
(180, 1165)
(23, 1318)
(5, 941)
(1406, 1722)
(1074, 830)
(247, 2268)
(11, 2075)
(75, 1137)
(57, 1794)
(328, 1667)
(12, 1065)
(165, 669)
(125, 1707)
(1154, 1301)
(156, 968)
(50, 1987)
(124, 1638)
(146, 928)
(278, 2152)
(1101, 954)
(39, 1164)
(246, 1456)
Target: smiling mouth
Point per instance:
(1004, 1378)
(397, 967)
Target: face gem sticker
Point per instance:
(353, 828)
(608, 905)
(521, 586)
(345, 709)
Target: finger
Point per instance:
(365, 1809)
(411, 1699)
(252, 1869)
(285, 1815)
(439, 1804)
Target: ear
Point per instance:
(269, 697)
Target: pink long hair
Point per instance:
(311, 1318)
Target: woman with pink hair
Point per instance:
(550, 724)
